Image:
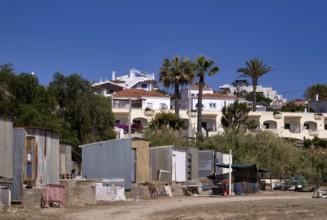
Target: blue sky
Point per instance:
(92, 38)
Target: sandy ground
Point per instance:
(264, 205)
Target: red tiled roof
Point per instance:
(323, 99)
(300, 102)
(137, 93)
(218, 96)
(196, 87)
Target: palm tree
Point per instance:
(254, 70)
(234, 117)
(175, 73)
(203, 66)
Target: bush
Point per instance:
(167, 119)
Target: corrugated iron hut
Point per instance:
(6, 151)
(122, 158)
(36, 158)
(65, 161)
(173, 164)
(206, 163)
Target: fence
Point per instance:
(53, 193)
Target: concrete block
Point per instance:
(5, 196)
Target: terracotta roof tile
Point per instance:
(300, 102)
(196, 87)
(218, 95)
(137, 93)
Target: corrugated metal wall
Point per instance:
(194, 153)
(18, 160)
(206, 163)
(65, 159)
(6, 147)
(142, 160)
(161, 159)
(47, 155)
(108, 159)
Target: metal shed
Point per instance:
(122, 158)
(206, 163)
(173, 164)
(6, 155)
(6, 148)
(36, 158)
(65, 160)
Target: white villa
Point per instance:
(210, 101)
(136, 79)
(287, 124)
(240, 86)
(297, 125)
(135, 93)
(134, 103)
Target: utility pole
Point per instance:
(189, 114)
(129, 117)
(230, 174)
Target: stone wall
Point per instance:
(32, 197)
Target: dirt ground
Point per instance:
(263, 205)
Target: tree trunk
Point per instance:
(177, 99)
(199, 124)
(254, 84)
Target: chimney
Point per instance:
(317, 97)
(113, 75)
(131, 73)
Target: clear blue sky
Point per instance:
(92, 38)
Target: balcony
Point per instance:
(318, 116)
(313, 132)
(193, 114)
(278, 116)
(148, 112)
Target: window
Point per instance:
(149, 105)
(325, 126)
(163, 106)
(287, 126)
(197, 105)
(266, 125)
(306, 126)
(144, 86)
(30, 159)
(212, 105)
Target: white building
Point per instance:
(210, 101)
(241, 86)
(137, 101)
(136, 79)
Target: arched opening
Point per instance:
(309, 125)
(270, 124)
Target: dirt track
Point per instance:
(266, 205)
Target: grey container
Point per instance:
(117, 159)
(206, 163)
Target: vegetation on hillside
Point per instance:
(317, 89)
(68, 106)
